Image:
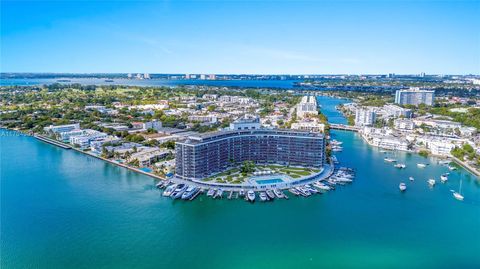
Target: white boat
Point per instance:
(279, 193)
(294, 191)
(270, 194)
(211, 192)
(335, 142)
(168, 191)
(177, 193)
(411, 178)
(458, 195)
(322, 186)
(444, 178)
(451, 168)
(400, 165)
(263, 196)
(241, 192)
(402, 186)
(189, 192)
(390, 160)
(251, 196)
(421, 165)
(431, 182)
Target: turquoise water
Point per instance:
(269, 181)
(62, 209)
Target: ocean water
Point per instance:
(62, 209)
(283, 84)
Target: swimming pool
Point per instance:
(269, 181)
(146, 169)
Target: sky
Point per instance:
(247, 37)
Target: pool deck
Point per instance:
(327, 171)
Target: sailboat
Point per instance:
(458, 195)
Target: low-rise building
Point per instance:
(403, 124)
(83, 141)
(62, 128)
(395, 111)
(148, 156)
(311, 126)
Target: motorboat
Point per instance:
(219, 194)
(251, 196)
(279, 193)
(263, 196)
(444, 178)
(431, 182)
(390, 160)
(189, 192)
(270, 194)
(458, 195)
(451, 168)
(168, 190)
(400, 165)
(310, 189)
(241, 193)
(411, 178)
(179, 190)
(294, 191)
(402, 186)
(211, 192)
(322, 186)
(421, 165)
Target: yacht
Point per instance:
(322, 186)
(421, 165)
(458, 195)
(402, 186)
(219, 194)
(431, 182)
(444, 178)
(189, 192)
(390, 160)
(411, 178)
(311, 189)
(270, 194)
(400, 165)
(263, 196)
(279, 193)
(177, 193)
(168, 191)
(251, 196)
(241, 193)
(211, 192)
(294, 191)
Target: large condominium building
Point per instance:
(307, 106)
(364, 117)
(201, 156)
(62, 128)
(414, 96)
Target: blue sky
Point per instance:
(255, 37)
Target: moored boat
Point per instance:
(270, 194)
(402, 186)
(431, 182)
(251, 196)
(421, 165)
(168, 191)
(263, 196)
(444, 178)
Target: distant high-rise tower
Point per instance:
(414, 96)
(146, 76)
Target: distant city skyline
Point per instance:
(230, 37)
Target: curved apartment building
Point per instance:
(201, 156)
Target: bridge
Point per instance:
(344, 127)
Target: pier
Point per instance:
(53, 142)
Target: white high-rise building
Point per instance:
(364, 117)
(414, 96)
(146, 76)
(308, 106)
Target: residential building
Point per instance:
(203, 118)
(414, 96)
(396, 111)
(83, 141)
(148, 156)
(62, 128)
(307, 106)
(246, 123)
(403, 124)
(364, 117)
(200, 156)
(311, 126)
